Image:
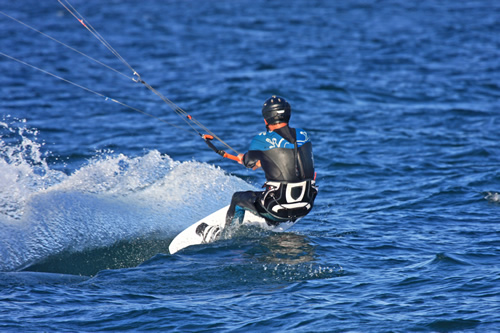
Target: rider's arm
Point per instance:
(250, 159)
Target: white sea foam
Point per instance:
(492, 197)
(112, 198)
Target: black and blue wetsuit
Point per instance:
(286, 157)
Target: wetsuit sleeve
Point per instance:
(254, 153)
(250, 159)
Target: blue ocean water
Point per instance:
(402, 103)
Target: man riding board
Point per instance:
(285, 155)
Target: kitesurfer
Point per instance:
(285, 155)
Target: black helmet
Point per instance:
(276, 110)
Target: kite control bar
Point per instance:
(209, 138)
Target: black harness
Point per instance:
(287, 201)
(284, 201)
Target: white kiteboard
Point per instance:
(208, 229)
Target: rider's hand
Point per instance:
(240, 158)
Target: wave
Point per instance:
(113, 198)
(492, 197)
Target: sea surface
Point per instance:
(401, 100)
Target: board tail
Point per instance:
(210, 228)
